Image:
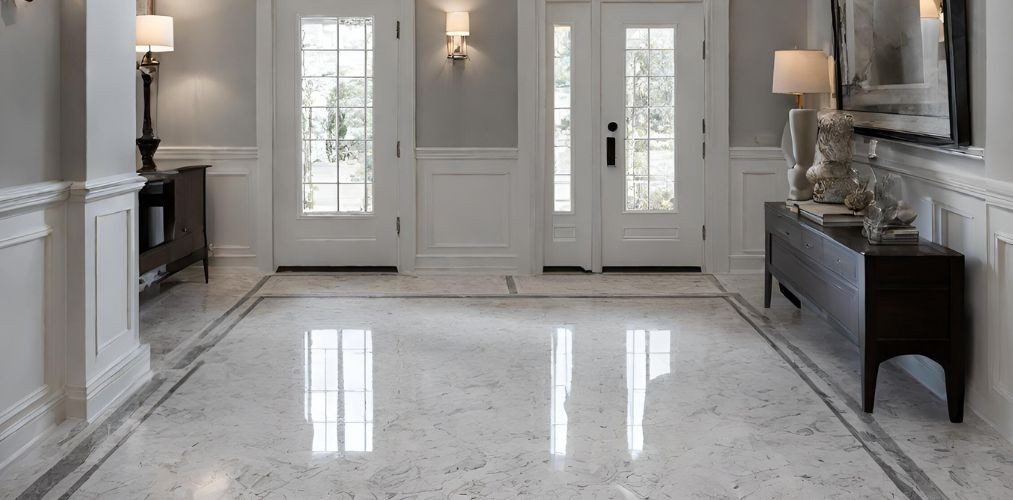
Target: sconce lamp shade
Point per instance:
(154, 34)
(929, 9)
(458, 24)
(801, 72)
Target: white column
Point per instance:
(104, 357)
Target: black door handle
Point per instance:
(610, 145)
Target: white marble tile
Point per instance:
(968, 460)
(463, 399)
(461, 403)
(617, 284)
(383, 284)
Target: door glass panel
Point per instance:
(650, 120)
(337, 115)
(562, 107)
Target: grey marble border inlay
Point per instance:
(912, 481)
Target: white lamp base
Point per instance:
(804, 126)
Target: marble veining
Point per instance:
(302, 387)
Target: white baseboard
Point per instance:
(120, 379)
(24, 425)
(746, 264)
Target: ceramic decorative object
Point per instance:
(833, 179)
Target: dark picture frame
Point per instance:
(958, 83)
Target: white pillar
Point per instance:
(104, 357)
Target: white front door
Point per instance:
(649, 192)
(335, 181)
(653, 90)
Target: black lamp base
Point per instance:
(147, 147)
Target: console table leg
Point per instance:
(870, 372)
(767, 284)
(955, 394)
(795, 301)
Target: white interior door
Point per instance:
(652, 198)
(335, 181)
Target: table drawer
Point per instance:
(842, 262)
(785, 228)
(812, 246)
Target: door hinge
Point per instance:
(703, 51)
(397, 226)
(704, 150)
(398, 30)
(703, 126)
(398, 148)
(704, 232)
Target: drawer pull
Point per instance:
(808, 245)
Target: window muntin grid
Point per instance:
(337, 115)
(650, 120)
(562, 102)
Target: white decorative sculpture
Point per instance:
(833, 179)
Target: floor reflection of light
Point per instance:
(339, 389)
(561, 372)
(648, 356)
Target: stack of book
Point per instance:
(826, 214)
(892, 235)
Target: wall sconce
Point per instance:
(458, 31)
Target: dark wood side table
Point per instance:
(173, 220)
(892, 300)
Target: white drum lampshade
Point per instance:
(458, 24)
(154, 34)
(800, 72)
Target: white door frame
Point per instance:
(264, 183)
(533, 94)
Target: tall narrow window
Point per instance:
(562, 107)
(650, 120)
(648, 356)
(337, 115)
(561, 364)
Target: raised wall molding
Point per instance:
(206, 153)
(30, 197)
(755, 153)
(106, 187)
(467, 153)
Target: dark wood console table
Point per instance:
(891, 300)
(173, 220)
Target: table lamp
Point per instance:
(801, 72)
(154, 34)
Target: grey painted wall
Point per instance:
(29, 92)
(758, 28)
(206, 88)
(471, 103)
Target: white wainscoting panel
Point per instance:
(466, 200)
(996, 401)
(758, 176)
(31, 315)
(231, 183)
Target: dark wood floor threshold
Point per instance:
(346, 269)
(648, 269)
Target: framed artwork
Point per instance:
(902, 69)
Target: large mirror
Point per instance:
(902, 69)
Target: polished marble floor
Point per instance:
(559, 386)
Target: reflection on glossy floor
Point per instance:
(467, 388)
